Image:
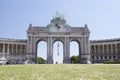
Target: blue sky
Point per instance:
(102, 16)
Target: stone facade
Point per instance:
(95, 51)
(58, 30)
(105, 50)
(14, 50)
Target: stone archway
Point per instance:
(58, 29)
(41, 50)
(79, 40)
(75, 49)
(58, 52)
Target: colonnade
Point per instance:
(104, 48)
(101, 51)
(9, 48)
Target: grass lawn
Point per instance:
(60, 72)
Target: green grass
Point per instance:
(60, 72)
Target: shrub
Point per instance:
(112, 62)
(74, 59)
(40, 60)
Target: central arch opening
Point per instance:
(57, 52)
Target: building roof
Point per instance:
(105, 40)
(13, 40)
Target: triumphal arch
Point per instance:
(58, 30)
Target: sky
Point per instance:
(101, 16)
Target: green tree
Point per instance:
(74, 59)
(40, 60)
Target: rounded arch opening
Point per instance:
(75, 50)
(42, 51)
(58, 52)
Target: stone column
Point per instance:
(107, 49)
(88, 50)
(3, 50)
(98, 49)
(16, 48)
(29, 45)
(94, 48)
(34, 46)
(34, 50)
(49, 51)
(8, 49)
(85, 50)
(21, 49)
(82, 49)
(12, 48)
(111, 48)
(66, 56)
(103, 48)
(31, 52)
(81, 45)
(116, 48)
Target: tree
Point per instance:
(74, 59)
(40, 60)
